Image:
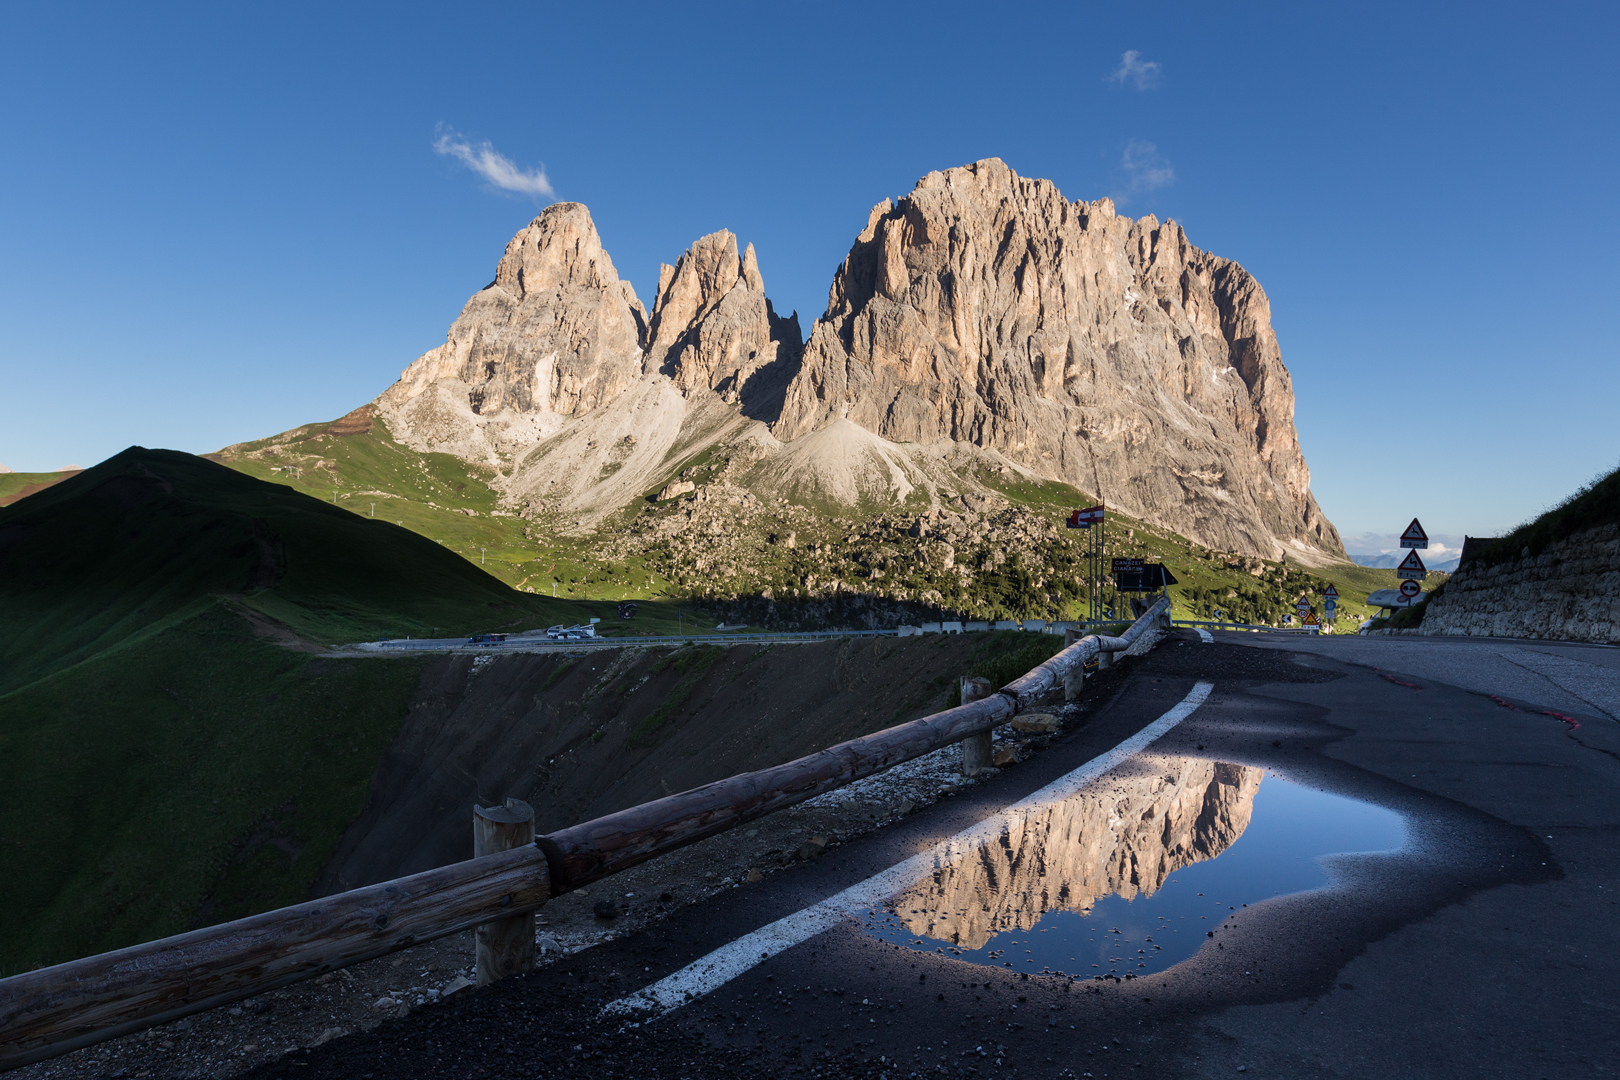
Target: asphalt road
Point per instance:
(1557, 675)
(1487, 946)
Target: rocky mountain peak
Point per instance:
(984, 308)
(557, 332)
(713, 327)
(981, 328)
(558, 249)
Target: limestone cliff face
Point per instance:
(556, 331)
(1128, 839)
(987, 309)
(712, 325)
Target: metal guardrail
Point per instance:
(54, 1010)
(514, 642)
(1243, 626)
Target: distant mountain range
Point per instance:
(1390, 559)
(984, 325)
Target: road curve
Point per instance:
(1487, 946)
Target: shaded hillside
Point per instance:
(111, 554)
(1557, 577)
(171, 751)
(1595, 504)
(200, 774)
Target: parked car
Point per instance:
(487, 639)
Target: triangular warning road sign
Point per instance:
(1411, 567)
(1310, 619)
(1414, 536)
(1331, 592)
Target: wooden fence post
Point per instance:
(977, 752)
(505, 946)
(1074, 682)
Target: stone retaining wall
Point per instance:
(1570, 592)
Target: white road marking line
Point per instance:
(729, 961)
(1205, 636)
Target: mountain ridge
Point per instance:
(983, 321)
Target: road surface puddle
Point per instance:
(1128, 877)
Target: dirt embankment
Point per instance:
(581, 736)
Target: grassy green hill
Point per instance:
(145, 537)
(355, 462)
(19, 485)
(174, 747)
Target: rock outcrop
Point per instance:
(713, 327)
(1129, 839)
(985, 308)
(1569, 592)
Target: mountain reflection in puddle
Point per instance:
(1128, 876)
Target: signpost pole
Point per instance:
(1411, 570)
(1097, 555)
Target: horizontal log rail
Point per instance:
(57, 1009)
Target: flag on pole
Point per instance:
(1085, 519)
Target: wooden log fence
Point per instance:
(57, 1009)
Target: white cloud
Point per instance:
(1390, 544)
(497, 168)
(1144, 74)
(1146, 167)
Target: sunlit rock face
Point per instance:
(982, 322)
(557, 334)
(986, 308)
(1127, 835)
(712, 325)
(556, 330)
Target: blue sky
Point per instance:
(220, 221)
